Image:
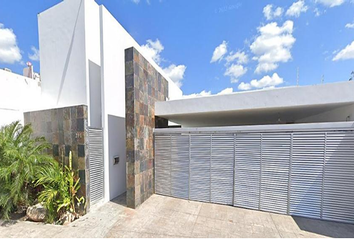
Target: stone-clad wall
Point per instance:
(66, 129)
(144, 86)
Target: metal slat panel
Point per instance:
(306, 174)
(163, 164)
(338, 184)
(275, 172)
(200, 161)
(222, 168)
(180, 166)
(247, 170)
(96, 162)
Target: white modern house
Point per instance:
(287, 150)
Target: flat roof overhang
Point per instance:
(283, 105)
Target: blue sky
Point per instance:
(210, 46)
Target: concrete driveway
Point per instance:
(163, 216)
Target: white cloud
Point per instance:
(296, 9)
(152, 49)
(265, 82)
(235, 71)
(176, 73)
(208, 93)
(269, 14)
(136, 1)
(201, 94)
(219, 52)
(349, 25)
(273, 45)
(240, 57)
(244, 86)
(346, 53)
(35, 55)
(226, 91)
(9, 51)
(330, 3)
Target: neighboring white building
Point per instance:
(17, 94)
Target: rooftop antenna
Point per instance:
(322, 79)
(352, 77)
(297, 77)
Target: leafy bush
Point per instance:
(60, 187)
(21, 158)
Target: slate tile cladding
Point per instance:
(144, 85)
(66, 130)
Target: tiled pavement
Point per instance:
(163, 216)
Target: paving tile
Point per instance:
(164, 217)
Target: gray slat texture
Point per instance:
(180, 166)
(96, 165)
(200, 161)
(247, 170)
(163, 165)
(301, 173)
(275, 172)
(306, 174)
(338, 185)
(222, 168)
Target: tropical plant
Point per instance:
(21, 156)
(60, 186)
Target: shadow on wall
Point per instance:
(116, 141)
(325, 228)
(337, 195)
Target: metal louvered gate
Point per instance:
(96, 166)
(303, 170)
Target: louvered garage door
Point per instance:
(180, 166)
(200, 176)
(96, 165)
(307, 160)
(275, 172)
(338, 184)
(163, 165)
(303, 173)
(222, 168)
(247, 170)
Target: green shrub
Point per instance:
(21, 158)
(60, 187)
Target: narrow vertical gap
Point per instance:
(234, 171)
(323, 174)
(211, 152)
(189, 173)
(170, 165)
(290, 171)
(260, 173)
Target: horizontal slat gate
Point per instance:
(275, 172)
(338, 185)
(163, 165)
(96, 165)
(200, 161)
(247, 170)
(306, 173)
(180, 166)
(222, 168)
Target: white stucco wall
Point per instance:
(340, 114)
(114, 40)
(332, 93)
(63, 53)
(83, 62)
(17, 94)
